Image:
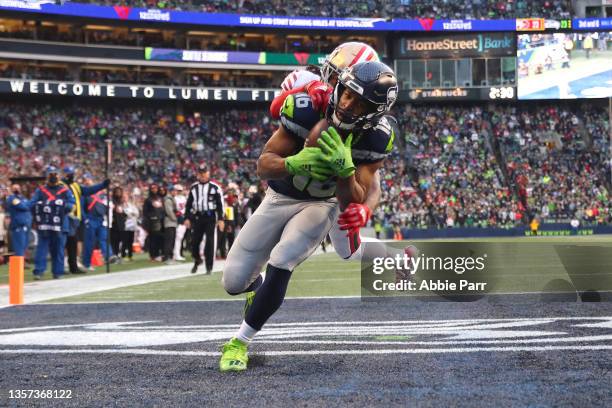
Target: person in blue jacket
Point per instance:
(19, 210)
(52, 202)
(80, 192)
(95, 213)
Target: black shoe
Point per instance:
(58, 276)
(78, 272)
(208, 271)
(197, 263)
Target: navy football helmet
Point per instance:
(373, 81)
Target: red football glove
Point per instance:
(355, 216)
(319, 93)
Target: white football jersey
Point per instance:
(181, 202)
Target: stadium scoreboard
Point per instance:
(458, 94)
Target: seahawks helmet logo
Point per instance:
(391, 96)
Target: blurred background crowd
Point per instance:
(482, 166)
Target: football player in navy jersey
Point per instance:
(345, 233)
(308, 176)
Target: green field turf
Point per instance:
(139, 261)
(523, 265)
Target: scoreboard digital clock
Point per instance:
(458, 94)
(501, 92)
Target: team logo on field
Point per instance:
(362, 337)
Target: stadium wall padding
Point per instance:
(558, 229)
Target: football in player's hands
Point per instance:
(336, 150)
(315, 133)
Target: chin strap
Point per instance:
(341, 125)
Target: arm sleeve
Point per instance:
(188, 206)
(89, 190)
(24, 205)
(35, 198)
(220, 206)
(70, 202)
(277, 103)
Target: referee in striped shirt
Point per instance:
(204, 211)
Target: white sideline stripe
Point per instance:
(146, 352)
(44, 291)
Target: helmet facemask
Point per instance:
(347, 120)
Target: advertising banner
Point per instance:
(233, 57)
(184, 93)
(256, 21)
(457, 45)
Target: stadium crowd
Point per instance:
(493, 166)
(471, 9)
(558, 159)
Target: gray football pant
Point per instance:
(282, 232)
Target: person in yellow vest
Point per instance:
(232, 221)
(568, 46)
(587, 44)
(534, 225)
(79, 192)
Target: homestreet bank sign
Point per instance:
(30, 87)
(458, 45)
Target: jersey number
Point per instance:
(302, 101)
(313, 187)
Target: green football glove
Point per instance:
(337, 153)
(309, 162)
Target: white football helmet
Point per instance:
(344, 56)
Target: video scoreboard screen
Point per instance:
(564, 65)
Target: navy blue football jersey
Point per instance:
(298, 117)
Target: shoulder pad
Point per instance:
(375, 143)
(298, 115)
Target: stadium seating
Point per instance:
(493, 166)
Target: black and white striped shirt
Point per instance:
(205, 199)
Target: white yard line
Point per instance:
(176, 353)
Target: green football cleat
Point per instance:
(234, 357)
(249, 301)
